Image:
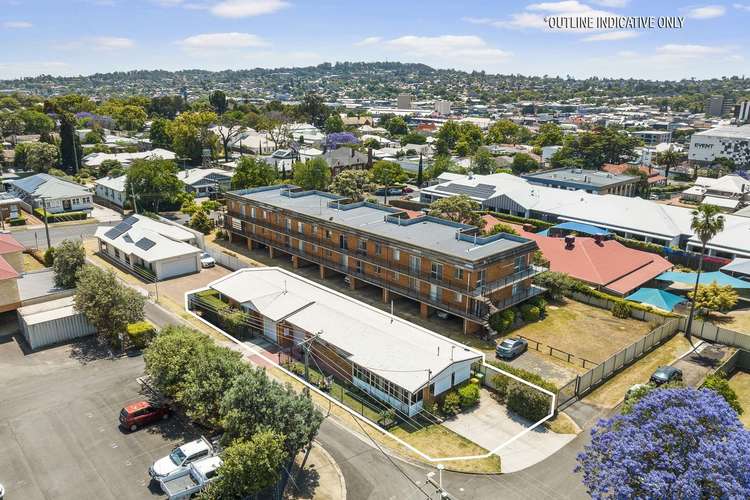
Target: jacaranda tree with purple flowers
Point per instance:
(674, 444)
(337, 139)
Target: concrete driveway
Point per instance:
(104, 214)
(176, 288)
(59, 437)
(491, 424)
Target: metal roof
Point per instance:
(49, 186)
(430, 233)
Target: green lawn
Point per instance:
(740, 382)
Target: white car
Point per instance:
(207, 260)
(191, 480)
(180, 459)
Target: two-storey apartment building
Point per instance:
(443, 265)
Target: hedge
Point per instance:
(140, 334)
(469, 395)
(539, 224)
(65, 216)
(17, 221)
(528, 402)
(621, 309)
(502, 320)
(530, 313)
(641, 245)
(501, 381)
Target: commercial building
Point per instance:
(732, 142)
(54, 193)
(653, 137)
(443, 107)
(150, 248)
(591, 181)
(444, 266)
(633, 218)
(719, 105)
(396, 361)
(742, 112)
(404, 101)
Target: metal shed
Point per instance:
(52, 322)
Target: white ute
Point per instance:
(180, 458)
(191, 480)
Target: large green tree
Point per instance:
(169, 356)
(333, 124)
(549, 134)
(70, 257)
(313, 108)
(312, 174)
(483, 162)
(253, 172)
(707, 222)
(669, 159)
(523, 163)
(248, 467)
(153, 182)
(352, 184)
(218, 101)
(386, 174)
(41, 157)
(190, 134)
(459, 208)
(158, 134)
(107, 304)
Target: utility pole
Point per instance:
(132, 194)
(442, 494)
(46, 226)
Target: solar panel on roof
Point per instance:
(479, 191)
(145, 244)
(120, 228)
(127, 238)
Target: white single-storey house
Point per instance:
(395, 361)
(111, 189)
(150, 248)
(57, 194)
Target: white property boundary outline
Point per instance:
(374, 424)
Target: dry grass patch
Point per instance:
(562, 424)
(31, 264)
(740, 382)
(613, 391)
(739, 321)
(585, 331)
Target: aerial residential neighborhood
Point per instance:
(304, 250)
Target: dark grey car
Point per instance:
(510, 348)
(665, 374)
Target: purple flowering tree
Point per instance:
(336, 139)
(675, 443)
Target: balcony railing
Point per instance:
(361, 254)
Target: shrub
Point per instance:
(140, 334)
(527, 402)
(17, 221)
(502, 320)
(540, 303)
(717, 383)
(451, 404)
(539, 224)
(530, 313)
(501, 381)
(49, 256)
(61, 217)
(621, 309)
(469, 395)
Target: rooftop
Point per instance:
(594, 178)
(49, 186)
(114, 183)
(400, 351)
(48, 311)
(741, 132)
(431, 233)
(148, 239)
(8, 244)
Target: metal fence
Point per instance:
(609, 367)
(713, 333)
(226, 259)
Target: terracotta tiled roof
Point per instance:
(8, 244)
(6, 270)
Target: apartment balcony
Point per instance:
(460, 286)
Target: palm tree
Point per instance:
(707, 223)
(669, 159)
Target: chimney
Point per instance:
(570, 241)
(598, 239)
(352, 152)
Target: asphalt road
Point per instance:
(36, 238)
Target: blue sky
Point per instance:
(85, 36)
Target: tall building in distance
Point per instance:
(742, 112)
(443, 107)
(719, 105)
(404, 101)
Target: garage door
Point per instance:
(178, 267)
(269, 329)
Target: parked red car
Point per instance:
(142, 413)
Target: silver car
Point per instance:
(510, 348)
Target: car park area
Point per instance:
(59, 432)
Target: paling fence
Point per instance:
(226, 260)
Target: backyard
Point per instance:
(740, 382)
(737, 320)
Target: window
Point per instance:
(252, 212)
(358, 265)
(377, 269)
(436, 271)
(288, 224)
(362, 246)
(328, 234)
(396, 254)
(343, 242)
(458, 273)
(396, 276)
(520, 263)
(459, 297)
(415, 263)
(378, 248)
(301, 227)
